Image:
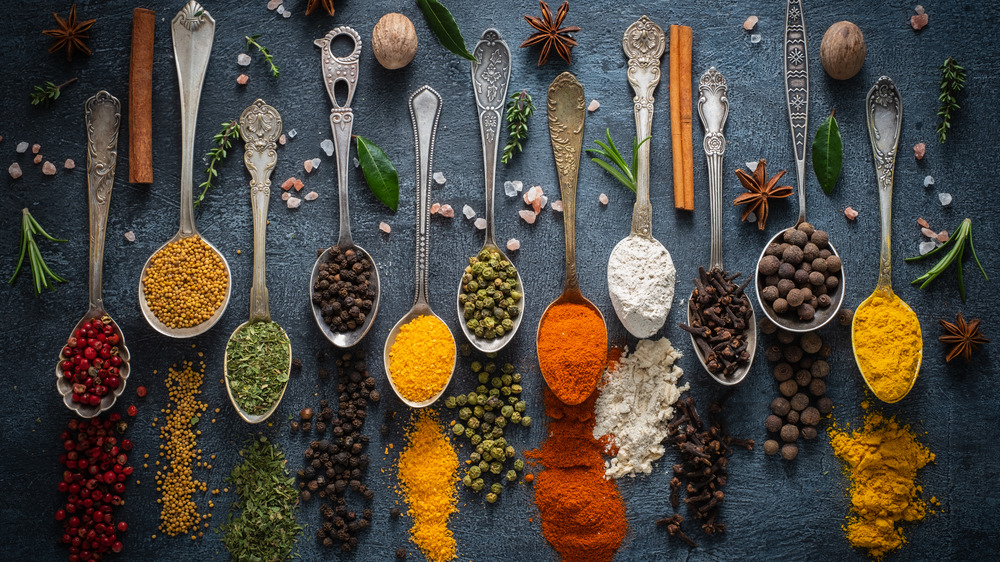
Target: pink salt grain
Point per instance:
(918, 150)
(242, 79)
(294, 202)
(308, 165)
(48, 168)
(480, 223)
(282, 140)
(923, 223)
(750, 23)
(594, 106)
(918, 21)
(928, 233)
(384, 227)
(850, 213)
(69, 164)
(285, 195)
(513, 244)
(311, 196)
(38, 158)
(35, 148)
(287, 184)
(528, 216)
(14, 170)
(297, 183)
(435, 207)
(557, 205)
(447, 211)
(942, 236)
(603, 199)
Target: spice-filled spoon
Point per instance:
(884, 109)
(344, 322)
(804, 317)
(419, 354)
(725, 342)
(641, 274)
(259, 354)
(572, 338)
(174, 302)
(94, 364)
(490, 328)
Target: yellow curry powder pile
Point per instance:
(185, 283)
(428, 468)
(888, 344)
(175, 482)
(422, 358)
(882, 462)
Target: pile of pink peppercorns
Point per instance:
(91, 361)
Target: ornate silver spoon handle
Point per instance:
(884, 109)
(644, 43)
(260, 127)
(425, 108)
(490, 78)
(103, 117)
(566, 115)
(713, 108)
(796, 56)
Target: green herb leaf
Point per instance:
(380, 174)
(952, 82)
(828, 153)
(625, 172)
(519, 110)
(40, 271)
(955, 254)
(223, 140)
(443, 24)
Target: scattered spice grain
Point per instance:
(185, 283)
(422, 358)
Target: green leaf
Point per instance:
(828, 153)
(443, 24)
(380, 174)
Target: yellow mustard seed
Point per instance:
(185, 283)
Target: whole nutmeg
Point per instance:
(394, 41)
(843, 50)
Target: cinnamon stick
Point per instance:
(686, 117)
(675, 117)
(140, 98)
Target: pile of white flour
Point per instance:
(641, 278)
(635, 404)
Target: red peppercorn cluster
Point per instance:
(93, 481)
(91, 361)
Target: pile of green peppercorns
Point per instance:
(490, 297)
(482, 417)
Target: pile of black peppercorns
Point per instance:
(336, 465)
(799, 274)
(343, 290)
(800, 368)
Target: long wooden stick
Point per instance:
(140, 98)
(675, 117)
(687, 143)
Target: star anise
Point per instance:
(550, 35)
(963, 337)
(760, 190)
(70, 34)
(325, 4)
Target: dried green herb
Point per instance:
(956, 254)
(828, 153)
(625, 173)
(265, 529)
(380, 174)
(40, 272)
(519, 110)
(952, 82)
(49, 92)
(443, 24)
(257, 360)
(223, 142)
(252, 42)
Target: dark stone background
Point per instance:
(773, 509)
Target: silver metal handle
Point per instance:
(644, 43)
(566, 115)
(103, 117)
(713, 108)
(884, 109)
(490, 78)
(260, 127)
(796, 56)
(425, 108)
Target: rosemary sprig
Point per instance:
(519, 109)
(48, 92)
(952, 82)
(625, 173)
(957, 252)
(252, 42)
(223, 141)
(40, 272)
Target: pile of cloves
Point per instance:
(720, 316)
(704, 455)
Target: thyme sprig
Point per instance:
(952, 82)
(519, 110)
(48, 92)
(955, 254)
(252, 42)
(223, 142)
(40, 272)
(624, 173)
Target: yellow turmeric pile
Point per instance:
(882, 462)
(888, 345)
(427, 474)
(422, 358)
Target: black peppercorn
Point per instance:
(394, 512)
(401, 553)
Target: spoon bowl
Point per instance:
(496, 344)
(418, 310)
(737, 376)
(244, 415)
(887, 292)
(65, 387)
(571, 296)
(345, 339)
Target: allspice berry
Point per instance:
(771, 447)
(773, 423)
(843, 50)
(789, 451)
(789, 433)
(394, 41)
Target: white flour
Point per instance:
(641, 279)
(635, 404)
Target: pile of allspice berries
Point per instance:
(800, 274)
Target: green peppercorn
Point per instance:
(497, 488)
(515, 418)
(498, 453)
(500, 421)
(472, 423)
(519, 465)
(496, 433)
(491, 497)
(513, 400)
(484, 378)
(467, 481)
(476, 366)
(472, 399)
(521, 406)
(509, 451)
(489, 417)
(526, 421)
(506, 411)
(450, 402)
(458, 429)
(511, 476)
(485, 429)
(474, 472)
(478, 484)
(483, 466)
(476, 440)
(496, 467)
(459, 400)
(494, 400)
(516, 377)
(489, 333)
(481, 389)
(464, 414)
(469, 432)
(515, 388)
(475, 458)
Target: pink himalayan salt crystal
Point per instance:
(435, 207)
(594, 106)
(287, 184)
(38, 158)
(928, 232)
(923, 223)
(130, 236)
(273, 4)
(447, 211)
(513, 244)
(918, 150)
(242, 79)
(603, 199)
(942, 236)
(384, 227)
(69, 164)
(311, 196)
(528, 216)
(35, 148)
(285, 195)
(750, 23)
(850, 213)
(480, 223)
(282, 139)
(48, 168)
(918, 21)
(14, 170)
(557, 205)
(297, 184)
(533, 193)
(308, 165)
(294, 202)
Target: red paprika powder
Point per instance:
(572, 350)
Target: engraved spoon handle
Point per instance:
(425, 108)
(884, 109)
(103, 116)
(796, 57)
(260, 127)
(566, 117)
(490, 78)
(713, 108)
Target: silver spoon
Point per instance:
(643, 42)
(193, 31)
(337, 69)
(102, 115)
(796, 57)
(425, 108)
(490, 77)
(260, 127)
(713, 108)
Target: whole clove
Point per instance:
(720, 316)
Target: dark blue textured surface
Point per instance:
(773, 510)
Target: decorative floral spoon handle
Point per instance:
(713, 108)
(103, 116)
(490, 78)
(884, 109)
(796, 56)
(566, 116)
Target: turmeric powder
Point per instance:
(888, 345)
(422, 358)
(882, 462)
(428, 470)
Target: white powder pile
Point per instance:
(635, 404)
(641, 278)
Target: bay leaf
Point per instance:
(443, 24)
(828, 153)
(380, 174)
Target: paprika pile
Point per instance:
(572, 350)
